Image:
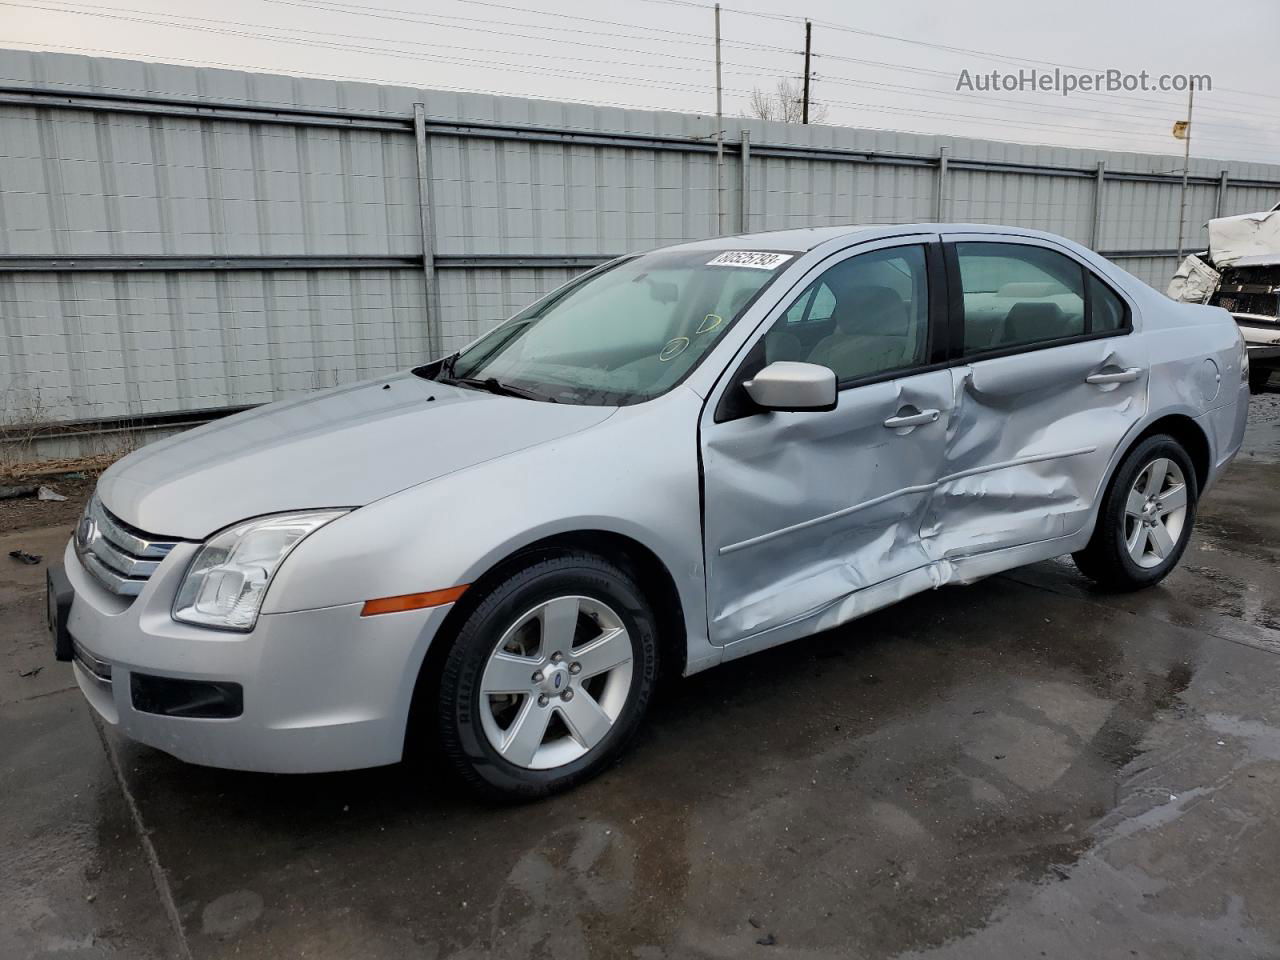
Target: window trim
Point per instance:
(955, 301)
(808, 308)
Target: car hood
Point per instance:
(344, 447)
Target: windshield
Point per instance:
(623, 335)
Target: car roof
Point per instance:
(808, 238)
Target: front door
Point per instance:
(1050, 380)
(804, 509)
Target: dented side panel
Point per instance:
(803, 509)
(1021, 453)
(1029, 441)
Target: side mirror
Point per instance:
(788, 385)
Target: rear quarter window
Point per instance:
(1107, 311)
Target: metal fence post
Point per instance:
(744, 209)
(435, 339)
(1099, 191)
(941, 199)
(1222, 194)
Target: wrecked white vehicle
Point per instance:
(1240, 272)
(677, 459)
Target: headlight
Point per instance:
(1244, 357)
(227, 580)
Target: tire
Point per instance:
(1259, 377)
(500, 679)
(1126, 551)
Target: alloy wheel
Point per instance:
(556, 682)
(1155, 513)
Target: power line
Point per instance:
(338, 6)
(880, 108)
(533, 69)
(260, 68)
(790, 18)
(990, 55)
(677, 86)
(413, 16)
(968, 51)
(1139, 103)
(538, 70)
(1001, 57)
(117, 14)
(97, 8)
(433, 20)
(1015, 104)
(383, 80)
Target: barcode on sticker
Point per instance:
(757, 259)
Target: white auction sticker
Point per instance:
(757, 259)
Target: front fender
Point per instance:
(632, 475)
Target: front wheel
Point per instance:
(1145, 519)
(549, 677)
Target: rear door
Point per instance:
(1049, 379)
(804, 509)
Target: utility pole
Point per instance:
(719, 136)
(808, 46)
(1186, 164)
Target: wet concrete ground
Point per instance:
(1020, 768)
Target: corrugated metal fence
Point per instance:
(177, 240)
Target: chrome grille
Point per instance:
(121, 558)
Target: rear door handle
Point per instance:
(1127, 375)
(911, 419)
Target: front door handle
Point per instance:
(911, 419)
(1128, 375)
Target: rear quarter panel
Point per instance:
(1194, 356)
(1194, 352)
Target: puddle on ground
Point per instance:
(1262, 431)
(878, 789)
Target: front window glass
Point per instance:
(626, 334)
(865, 316)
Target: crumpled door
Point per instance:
(1030, 439)
(804, 509)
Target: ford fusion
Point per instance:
(674, 460)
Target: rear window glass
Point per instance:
(1017, 294)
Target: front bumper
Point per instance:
(322, 689)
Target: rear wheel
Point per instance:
(549, 677)
(1145, 519)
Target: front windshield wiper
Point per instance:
(494, 385)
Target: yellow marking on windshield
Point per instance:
(675, 346)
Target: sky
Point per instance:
(875, 65)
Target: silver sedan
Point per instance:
(677, 459)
